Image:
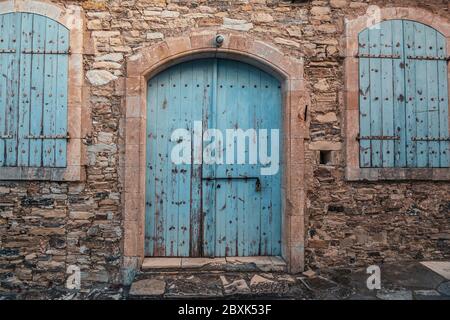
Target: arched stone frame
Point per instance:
(353, 171)
(72, 18)
(147, 63)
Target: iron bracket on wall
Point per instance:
(7, 50)
(6, 136)
(257, 184)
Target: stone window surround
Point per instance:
(353, 171)
(72, 18)
(151, 60)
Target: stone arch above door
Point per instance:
(151, 60)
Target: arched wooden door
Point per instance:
(214, 199)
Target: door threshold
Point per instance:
(258, 263)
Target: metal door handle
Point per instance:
(257, 183)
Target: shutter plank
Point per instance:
(387, 94)
(37, 90)
(26, 43)
(432, 97)
(61, 97)
(375, 96)
(444, 146)
(399, 98)
(50, 93)
(410, 78)
(14, 28)
(364, 100)
(421, 95)
(4, 62)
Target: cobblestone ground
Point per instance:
(399, 282)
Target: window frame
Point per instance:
(353, 171)
(72, 18)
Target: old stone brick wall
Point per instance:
(46, 226)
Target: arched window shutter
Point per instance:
(403, 96)
(33, 91)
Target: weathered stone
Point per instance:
(395, 295)
(237, 287)
(154, 35)
(444, 288)
(148, 287)
(235, 24)
(100, 77)
(258, 280)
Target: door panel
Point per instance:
(211, 209)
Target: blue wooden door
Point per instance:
(33, 91)
(403, 96)
(212, 208)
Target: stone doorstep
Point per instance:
(260, 263)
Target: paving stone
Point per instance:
(309, 273)
(426, 294)
(190, 286)
(258, 280)
(444, 288)
(395, 295)
(148, 287)
(237, 287)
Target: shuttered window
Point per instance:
(33, 91)
(403, 96)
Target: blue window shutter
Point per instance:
(403, 96)
(33, 91)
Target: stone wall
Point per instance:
(46, 226)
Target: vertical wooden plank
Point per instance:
(172, 176)
(233, 122)
(151, 203)
(50, 93)
(375, 96)
(399, 94)
(4, 62)
(61, 96)
(223, 189)
(185, 171)
(15, 20)
(37, 90)
(421, 95)
(246, 208)
(162, 184)
(410, 86)
(432, 100)
(444, 146)
(387, 94)
(24, 90)
(212, 236)
(364, 100)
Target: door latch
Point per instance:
(257, 183)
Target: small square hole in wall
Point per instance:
(326, 157)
